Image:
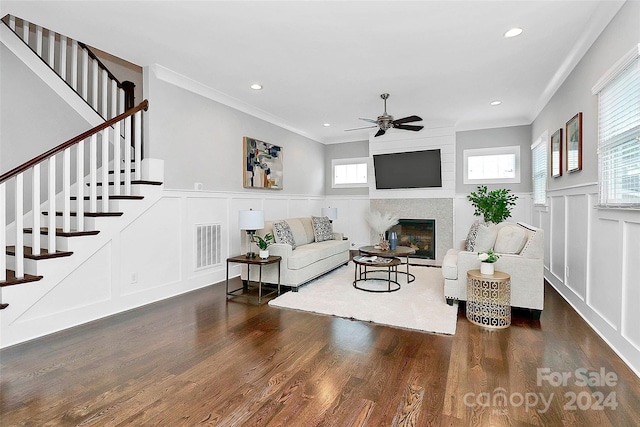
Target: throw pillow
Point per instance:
(470, 243)
(282, 233)
(322, 228)
(510, 240)
(486, 237)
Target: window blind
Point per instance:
(619, 137)
(539, 171)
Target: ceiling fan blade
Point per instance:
(368, 120)
(408, 127)
(380, 132)
(366, 127)
(407, 120)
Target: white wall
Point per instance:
(592, 254)
(200, 140)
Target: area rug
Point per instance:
(419, 305)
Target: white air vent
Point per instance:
(208, 244)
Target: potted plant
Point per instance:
(494, 206)
(263, 243)
(381, 222)
(487, 259)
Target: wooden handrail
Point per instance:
(104, 67)
(144, 105)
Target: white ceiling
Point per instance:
(329, 61)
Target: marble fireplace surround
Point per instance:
(440, 209)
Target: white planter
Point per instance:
(487, 268)
(264, 254)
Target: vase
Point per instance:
(393, 240)
(264, 254)
(487, 268)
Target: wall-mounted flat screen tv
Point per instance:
(414, 169)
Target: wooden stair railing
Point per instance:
(96, 190)
(77, 65)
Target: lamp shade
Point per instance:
(250, 220)
(331, 213)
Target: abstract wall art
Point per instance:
(262, 165)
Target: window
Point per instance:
(539, 169)
(492, 165)
(350, 172)
(619, 133)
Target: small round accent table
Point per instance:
(391, 264)
(489, 299)
(399, 251)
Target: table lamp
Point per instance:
(250, 221)
(331, 213)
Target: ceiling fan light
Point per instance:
(256, 86)
(496, 102)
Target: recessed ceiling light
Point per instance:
(513, 32)
(496, 102)
(326, 125)
(256, 86)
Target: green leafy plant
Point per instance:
(263, 243)
(488, 256)
(494, 206)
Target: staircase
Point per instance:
(100, 174)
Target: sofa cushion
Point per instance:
(298, 231)
(282, 233)
(470, 243)
(322, 228)
(308, 254)
(510, 239)
(486, 237)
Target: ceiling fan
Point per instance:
(386, 122)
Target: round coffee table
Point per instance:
(399, 251)
(391, 264)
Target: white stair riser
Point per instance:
(62, 243)
(30, 265)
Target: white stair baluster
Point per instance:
(51, 51)
(138, 143)
(19, 221)
(3, 231)
(35, 190)
(25, 31)
(105, 91)
(93, 173)
(12, 23)
(85, 75)
(80, 186)
(39, 40)
(105, 170)
(121, 103)
(74, 65)
(127, 155)
(94, 84)
(63, 57)
(51, 232)
(66, 190)
(117, 159)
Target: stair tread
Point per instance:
(134, 182)
(44, 253)
(59, 232)
(112, 197)
(12, 280)
(89, 214)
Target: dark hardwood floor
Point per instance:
(199, 360)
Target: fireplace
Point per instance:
(419, 234)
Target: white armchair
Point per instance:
(525, 264)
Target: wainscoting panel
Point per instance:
(559, 236)
(631, 283)
(576, 248)
(601, 249)
(605, 292)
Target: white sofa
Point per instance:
(307, 261)
(521, 249)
